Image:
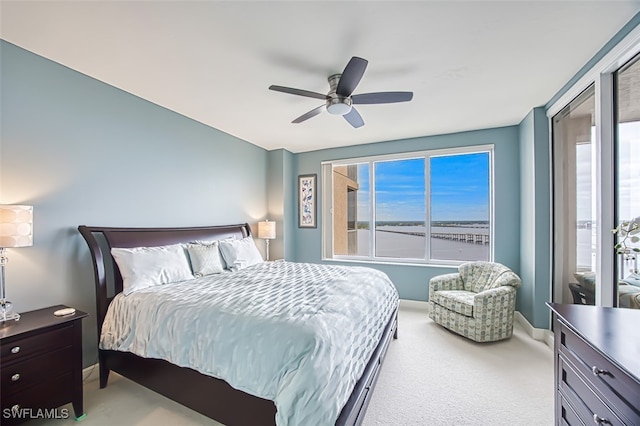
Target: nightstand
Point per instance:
(40, 365)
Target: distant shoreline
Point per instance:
(406, 244)
(435, 224)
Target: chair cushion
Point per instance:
(459, 301)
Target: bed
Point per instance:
(196, 387)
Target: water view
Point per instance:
(449, 240)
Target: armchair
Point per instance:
(477, 302)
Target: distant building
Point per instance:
(345, 210)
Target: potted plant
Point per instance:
(627, 232)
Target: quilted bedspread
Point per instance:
(298, 334)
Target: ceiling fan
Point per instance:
(340, 100)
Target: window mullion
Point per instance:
(372, 210)
(427, 209)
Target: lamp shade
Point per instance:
(267, 230)
(16, 226)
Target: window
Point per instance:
(424, 207)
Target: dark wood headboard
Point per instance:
(101, 239)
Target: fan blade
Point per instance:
(309, 114)
(299, 92)
(354, 118)
(382, 97)
(351, 76)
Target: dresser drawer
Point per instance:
(22, 375)
(588, 406)
(566, 413)
(52, 393)
(16, 349)
(614, 385)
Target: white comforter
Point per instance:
(296, 333)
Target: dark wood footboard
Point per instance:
(207, 395)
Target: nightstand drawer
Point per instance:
(22, 375)
(17, 349)
(47, 394)
(612, 383)
(587, 404)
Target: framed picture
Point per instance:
(307, 201)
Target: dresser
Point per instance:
(41, 366)
(597, 365)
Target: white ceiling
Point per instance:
(471, 65)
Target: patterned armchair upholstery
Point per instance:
(477, 302)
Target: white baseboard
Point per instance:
(541, 334)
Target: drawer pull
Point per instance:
(600, 421)
(15, 349)
(598, 372)
(15, 377)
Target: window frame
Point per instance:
(328, 206)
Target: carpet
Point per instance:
(432, 376)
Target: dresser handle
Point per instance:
(15, 377)
(15, 349)
(597, 372)
(600, 421)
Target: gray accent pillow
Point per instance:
(205, 258)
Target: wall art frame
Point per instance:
(307, 201)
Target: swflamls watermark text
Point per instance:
(35, 413)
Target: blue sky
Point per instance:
(459, 189)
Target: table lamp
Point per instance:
(267, 231)
(16, 230)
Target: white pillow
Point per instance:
(143, 267)
(240, 253)
(205, 259)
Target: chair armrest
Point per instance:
(495, 298)
(445, 282)
(508, 278)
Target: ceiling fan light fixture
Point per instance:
(340, 98)
(339, 106)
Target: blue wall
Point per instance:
(83, 152)
(412, 281)
(535, 218)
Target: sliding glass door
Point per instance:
(575, 225)
(627, 107)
